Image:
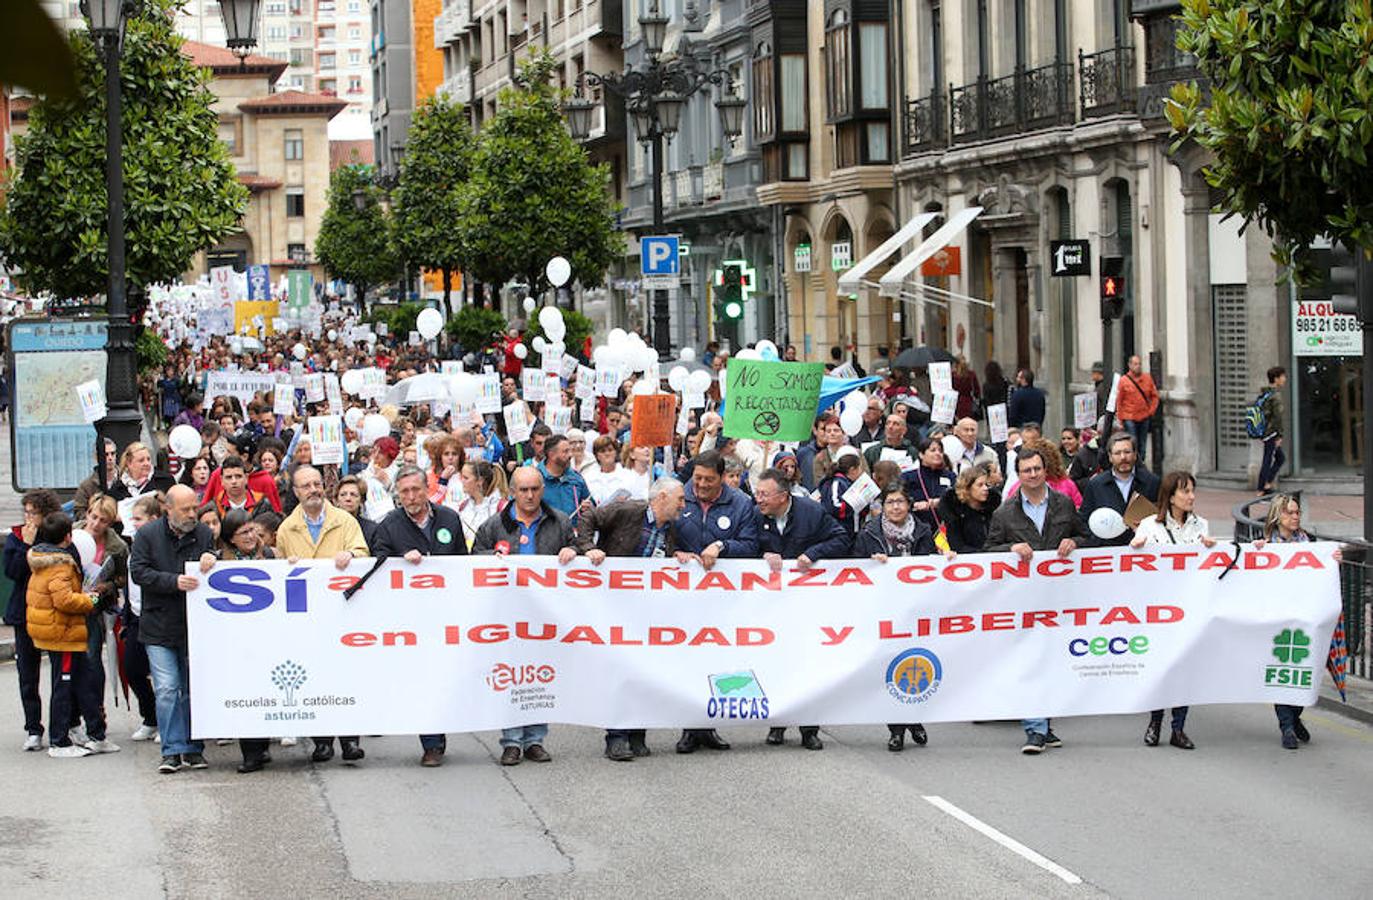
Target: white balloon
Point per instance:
(558, 270)
(699, 381)
(353, 417)
(748, 353)
(370, 337)
(351, 381)
(687, 355)
(1106, 523)
(374, 428)
(529, 304)
(550, 317)
(856, 399)
(616, 337)
(851, 421)
(85, 546)
(521, 351)
(464, 387)
(557, 348)
(767, 350)
(540, 345)
(299, 351)
(644, 386)
(601, 355)
(333, 334)
(429, 323)
(677, 378)
(184, 441)
(557, 331)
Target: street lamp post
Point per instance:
(122, 423)
(655, 95)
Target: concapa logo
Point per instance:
(913, 675)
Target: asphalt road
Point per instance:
(965, 816)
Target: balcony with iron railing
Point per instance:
(1106, 82)
(1025, 100)
(924, 124)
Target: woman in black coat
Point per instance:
(896, 532)
(137, 475)
(967, 509)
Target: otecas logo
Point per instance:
(503, 676)
(914, 675)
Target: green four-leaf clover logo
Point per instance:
(1291, 645)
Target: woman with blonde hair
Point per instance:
(484, 494)
(137, 475)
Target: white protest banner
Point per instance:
(224, 284)
(449, 367)
(559, 419)
(373, 384)
(333, 392)
(326, 440)
(517, 425)
(532, 385)
(277, 652)
(242, 386)
(489, 393)
(284, 399)
(552, 390)
(1084, 410)
(314, 388)
(608, 381)
(551, 363)
(945, 405)
(588, 412)
(586, 382)
(941, 376)
(996, 422)
(861, 493)
(569, 366)
(91, 396)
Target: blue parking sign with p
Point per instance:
(660, 255)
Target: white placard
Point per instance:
(694, 399)
(91, 396)
(898, 456)
(996, 422)
(373, 384)
(448, 367)
(314, 388)
(941, 377)
(517, 427)
(845, 371)
(532, 385)
(559, 419)
(489, 393)
(1115, 392)
(284, 400)
(326, 440)
(586, 382)
(945, 406)
(608, 381)
(861, 493)
(569, 366)
(242, 386)
(333, 392)
(552, 391)
(1084, 410)
(588, 410)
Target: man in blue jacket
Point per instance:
(1115, 487)
(564, 488)
(718, 522)
(1027, 402)
(795, 528)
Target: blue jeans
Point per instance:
(1035, 726)
(433, 742)
(171, 673)
(1288, 715)
(1273, 461)
(524, 737)
(1179, 717)
(1140, 432)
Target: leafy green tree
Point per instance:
(399, 318)
(355, 244)
(180, 191)
(472, 326)
(533, 194)
(1286, 115)
(438, 157)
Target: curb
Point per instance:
(1334, 704)
(6, 649)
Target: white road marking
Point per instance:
(1006, 841)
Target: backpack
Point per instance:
(1255, 420)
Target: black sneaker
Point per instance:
(1289, 740)
(1300, 731)
(171, 764)
(1034, 742)
(1052, 740)
(194, 761)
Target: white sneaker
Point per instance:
(78, 735)
(71, 751)
(223, 742)
(105, 746)
(144, 733)
(33, 742)
(288, 742)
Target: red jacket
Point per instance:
(260, 485)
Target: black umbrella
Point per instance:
(920, 357)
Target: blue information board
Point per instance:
(51, 445)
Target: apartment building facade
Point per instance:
(392, 63)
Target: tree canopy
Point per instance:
(1287, 115)
(181, 193)
(355, 244)
(532, 193)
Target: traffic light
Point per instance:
(1351, 282)
(1112, 287)
(730, 304)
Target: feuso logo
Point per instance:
(1290, 647)
(504, 676)
(913, 676)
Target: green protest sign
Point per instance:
(771, 401)
(299, 285)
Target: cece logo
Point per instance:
(1115, 646)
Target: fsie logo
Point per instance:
(1290, 647)
(913, 676)
(736, 695)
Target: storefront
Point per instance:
(1326, 386)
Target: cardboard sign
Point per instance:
(771, 401)
(654, 420)
(996, 422)
(326, 440)
(1084, 410)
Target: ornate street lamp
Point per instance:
(123, 423)
(655, 95)
(240, 27)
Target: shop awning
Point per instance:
(890, 283)
(852, 279)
